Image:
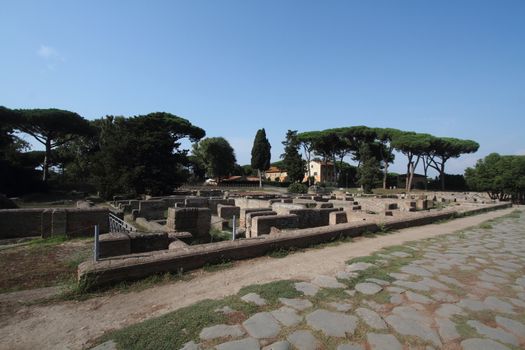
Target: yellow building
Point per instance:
(320, 171)
(276, 173)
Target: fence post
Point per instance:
(234, 230)
(95, 248)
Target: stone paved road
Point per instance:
(461, 291)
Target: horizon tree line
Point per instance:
(143, 154)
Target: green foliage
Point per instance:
(297, 187)
(502, 177)
(261, 155)
(292, 160)
(368, 173)
(141, 154)
(51, 127)
(216, 156)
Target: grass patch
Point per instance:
(272, 291)
(218, 235)
(485, 225)
(173, 330)
(225, 264)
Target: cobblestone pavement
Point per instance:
(460, 291)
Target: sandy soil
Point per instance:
(73, 324)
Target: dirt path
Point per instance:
(71, 325)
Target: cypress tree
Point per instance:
(261, 153)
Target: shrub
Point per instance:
(297, 187)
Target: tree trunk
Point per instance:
(260, 177)
(442, 175)
(308, 156)
(47, 160)
(385, 174)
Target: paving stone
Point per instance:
(412, 285)
(345, 275)
(280, 345)
(520, 281)
(517, 302)
(343, 307)
(327, 282)
(489, 278)
(350, 292)
(498, 305)
(254, 298)
(418, 298)
(482, 344)
(375, 306)
(407, 326)
(334, 324)
(410, 313)
(448, 310)
(298, 304)
(447, 329)
(418, 271)
(486, 285)
(111, 345)
(359, 266)
(306, 288)
(434, 284)
(368, 288)
(243, 344)
(496, 273)
(399, 276)
(371, 318)
(262, 325)
(383, 342)
(396, 299)
(450, 280)
(493, 333)
(396, 290)
(444, 297)
(512, 326)
(287, 316)
(225, 310)
(304, 340)
(472, 304)
(221, 331)
(400, 254)
(378, 281)
(350, 346)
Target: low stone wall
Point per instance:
(45, 222)
(228, 211)
(140, 266)
(246, 211)
(262, 225)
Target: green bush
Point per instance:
(297, 188)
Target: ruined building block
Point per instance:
(246, 211)
(197, 221)
(338, 217)
(262, 225)
(228, 211)
(251, 215)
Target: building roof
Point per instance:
(274, 169)
(241, 179)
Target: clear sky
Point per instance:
(449, 68)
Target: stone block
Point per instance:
(214, 202)
(338, 217)
(228, 211)
(218, 223)
(390, 206)
(141, 242)
(114, 244)
(197, 221)
(152, 209)
(246, 211)
(262, 225)
(196, 202)
(177, 245)
(254, 214)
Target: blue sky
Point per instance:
(450, 68)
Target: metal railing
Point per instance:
(116, 224)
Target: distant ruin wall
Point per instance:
(133, 267)
(44, 222)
